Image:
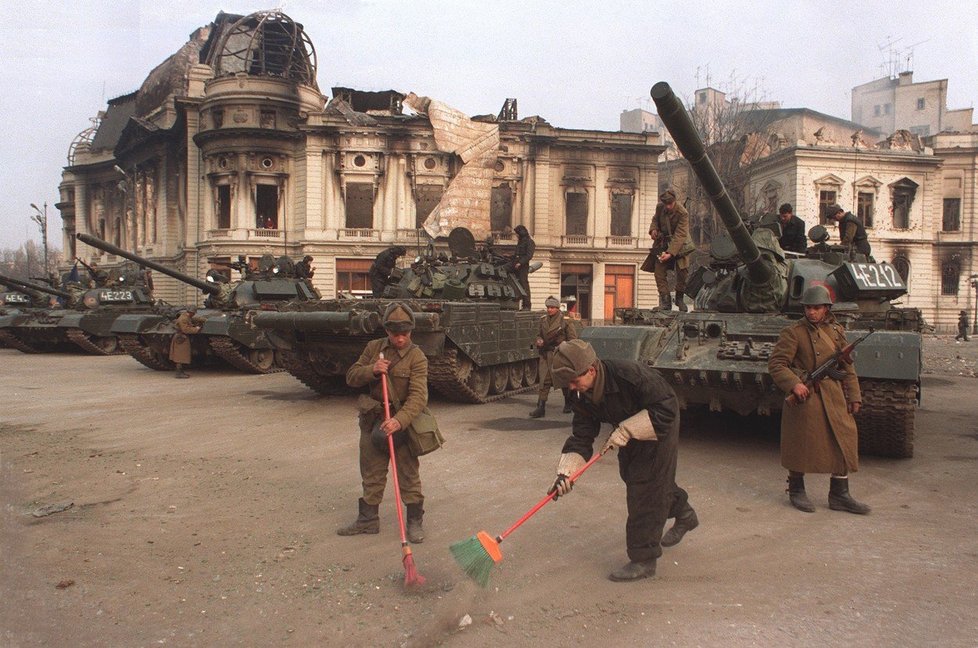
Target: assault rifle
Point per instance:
(831, 368)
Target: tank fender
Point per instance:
(624, 342)
(71, 320)
(132, 324)
(888, 355)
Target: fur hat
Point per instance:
(399, 318)
(552, 302)
(667, 196)
(832, 210)
(571, 359)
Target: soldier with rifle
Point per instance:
(554, 329)
(812, 363)
(671, 247)
(99, 277)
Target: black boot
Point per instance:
(540, 411)
(368, 521)
(180, 372)
(415, 517)
(633, 571)
(684, 523)
(840, 500)
(796, 494)
(665, 302)
(680, 302)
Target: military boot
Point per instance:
(180, 372)
(680, 302)
(685, 522)
(540, 411)
(368, 521)
(840, 500)
(633, 571)
(665, 302)
(415, 516)
(797, 495)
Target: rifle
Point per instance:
(831, 368)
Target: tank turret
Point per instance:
(36, 288)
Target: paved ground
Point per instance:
(203, 513)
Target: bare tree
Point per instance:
(27, 262)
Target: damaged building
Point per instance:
(230, 148)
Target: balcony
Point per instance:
(358, 234)
(219, 233)
(264, 233)
(630, 242)
(576, 240)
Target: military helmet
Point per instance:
(399, 318)
(571, 359)
(551, 302)
(816, 296)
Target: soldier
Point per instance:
(962, 326)
(382, 267)
(852, 234)
(644, 409)
(180, 349)
(554, 329)
(520, 262)
(669, 230)
(407, 368)
(818, 434)
(304, 269)
(792, 230)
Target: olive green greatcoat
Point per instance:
(819, 435)
(553, 330)
(676, 226)
(180, 350)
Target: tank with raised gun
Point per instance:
(480, 346)
(717, 354)
(82, 318)
(224, 335)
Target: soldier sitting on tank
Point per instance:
(382, 267)
(669, 230)
(792, 230)
(852, 234)
(180, 349)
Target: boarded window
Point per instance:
(949, 279)
(952, 215)
(621, 214)
(266, 205)
(426, 197)
(360, 205)
(501, 209)
(826, 198)
(576, 217)
(352, 276)
(865, 207)
(224, 207)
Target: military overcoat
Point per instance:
(675, 225)
(180, 349)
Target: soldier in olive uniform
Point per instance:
(670, 237)
(554, 329)
(818, 433)
(407, 369)
(520, 263)
(180, 350)
(852, 234)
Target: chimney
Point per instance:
(906, 78)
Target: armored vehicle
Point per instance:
(717, 354)
(224, 334)
(480, 347)
(15, 302)
(84, 317)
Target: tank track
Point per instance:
(228, 351)
(886, 419)
(12, 341)
(82, 339)
(141, 353)
(446, 376)
(305, 373)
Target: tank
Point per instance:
(479, 346)
(13, 303)
(716, 355)
(225, 336)
(82, 318)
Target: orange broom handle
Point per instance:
(390, 446)
(550, 496)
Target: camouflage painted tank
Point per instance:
(14, 302)
(224, 334)
(85, 319)
(717, 354)
(479, 345)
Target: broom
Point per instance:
(480, 553)
(411, 576)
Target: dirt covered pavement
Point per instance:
(138, 510)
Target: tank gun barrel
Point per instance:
(10, 281)
(680, 126)
(208, 288)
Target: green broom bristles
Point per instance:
(474, 558)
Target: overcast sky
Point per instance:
(576, 63)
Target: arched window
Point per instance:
(902, 266)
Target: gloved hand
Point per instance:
(638, 426)
(570, 463)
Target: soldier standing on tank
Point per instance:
(180, 349)
(962, 326)
(670, 233)
(407, 369)
(818, 433)
(304, 269)
(852, 234)
(792, 230)
(554, 329)
(382, 267)
(520, 262)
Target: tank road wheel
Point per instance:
(479, 381)
(264, 359)
(516, 371)
(532, 369)
(500, 377)
(109, 345)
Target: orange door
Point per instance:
(619, 289)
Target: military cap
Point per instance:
(399, 318)
(552, 302)
(816, 296)
(667, 196)
(571, 359)
(832, 210)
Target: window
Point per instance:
(864, 208)
(501, 208)
(266, 206)
(886, 109)
(576, 216)
(353, 276)
(920, 103)
(224, 207)
(952, 214)
(621, 214)
(902, 266)
(701, 97)
(876, 110)
(425, 199)
(949, 279)
(359, 205)
(903, 192)
(826, 197)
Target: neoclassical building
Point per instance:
(230, 148)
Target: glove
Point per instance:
(638, 426)
(570, 463)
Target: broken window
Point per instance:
(621, 214)
(359, 205)
(224, 207)
(949, 279)
(902, 266)
(826, 197)
(576, 215)
(952, 215)
(501, 209)
(266, 206)
(902, 199)
(425, 199)
(865, 204)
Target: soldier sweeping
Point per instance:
(554, 329)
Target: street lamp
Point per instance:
(41, 218)
(974, 284)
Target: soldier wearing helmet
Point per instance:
(818, 434)
(406, 368)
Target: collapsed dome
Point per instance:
(267, 43)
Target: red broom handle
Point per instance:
(550, 496)
(390, 446)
